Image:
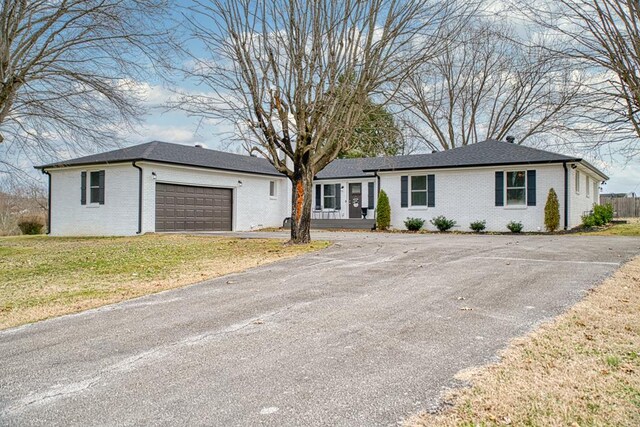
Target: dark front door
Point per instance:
(191, 208)
(355, 200)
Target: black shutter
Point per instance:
(101, 190)
(404, 191)
(318, 197)
(431, 191)
(338, 197)
(531, 188)
(370, 195)
(500, 188)
(83, 188)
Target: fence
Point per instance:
(624, 207)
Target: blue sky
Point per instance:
(178, 127)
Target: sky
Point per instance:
(178, 127)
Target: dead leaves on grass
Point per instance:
(581, 369)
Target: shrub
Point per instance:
(588, 221)
(31, 225)
(515, 227)
(414, 224)
(478, 226)
(603, 213)
(552, 212)
(442, 223)
(383, 211)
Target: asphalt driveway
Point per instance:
(366, 332)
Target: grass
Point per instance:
(41, 276)
(583, 369)
(631, 228)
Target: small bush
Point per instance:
(588, 221)
(442, 223)
(601, 215)
(552, 212)
(31, 225)
(478, 226)
(414, 224)
(515, 227)
(383, 211)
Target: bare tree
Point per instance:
(604, 35)
(69, 69)
(487, 85)
(273, 68)
(20, 198)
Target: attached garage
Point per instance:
(193, 208)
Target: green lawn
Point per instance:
(41, 276)
(631, 228)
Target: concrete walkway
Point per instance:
(366, 332)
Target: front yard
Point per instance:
(41, 277)
(581, 370)
(631, 228)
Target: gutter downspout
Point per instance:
(375, 215)
(48, 201)
(566, 195)
(139, 197)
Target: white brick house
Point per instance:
(167, 187)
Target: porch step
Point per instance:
(350, 224)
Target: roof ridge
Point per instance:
(547, 151)
(243, 156)
(149, 149)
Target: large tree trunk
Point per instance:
(302, 192)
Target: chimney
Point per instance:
(511, 139)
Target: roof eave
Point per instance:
(342, 177)
(594, 169)
(475, 165)
(62, 165)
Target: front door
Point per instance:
(355, 200)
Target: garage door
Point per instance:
(190, 208)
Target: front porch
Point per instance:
(343, 223)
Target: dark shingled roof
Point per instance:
(165, 152)
(352, 168)
(487, 153)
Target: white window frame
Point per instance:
(332, 196)
(273, 189)
(587, 190)
(506, 189)
(577, 182)
(425, 191)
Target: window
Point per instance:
(418, 191)
(586, 187)
(577, 181)
(330, 196)
(516, 188)
(272, 189)
(94, 187)
(595, 190)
